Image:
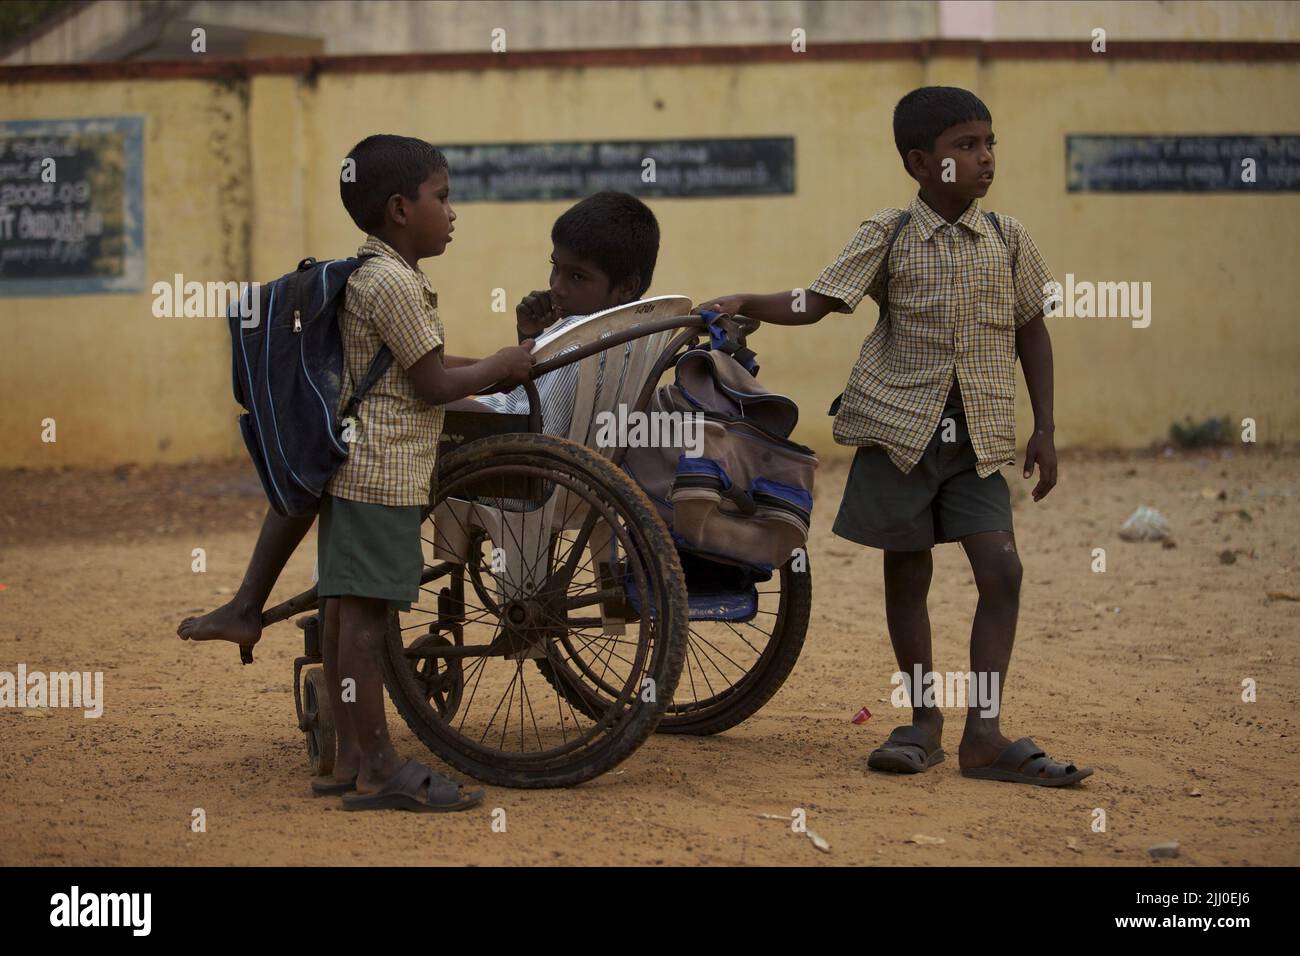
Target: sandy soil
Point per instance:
(1136, 672)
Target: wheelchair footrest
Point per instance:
(735, 606)
(725, 606)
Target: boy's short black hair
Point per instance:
(385, 165)
(922, 115)
(614, 230)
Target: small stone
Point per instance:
(818, 841)
(1194, 792)
(922, 840)
(1145, 524)
(1164, 851)
(1227, 557)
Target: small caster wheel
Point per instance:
(443, 678)
(318, 722)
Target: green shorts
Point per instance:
(366, 550)
(941, 499)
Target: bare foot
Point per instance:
(980, 750)
(347, 765)
(232, 622)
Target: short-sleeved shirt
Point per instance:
(395, 443)
(953, 311)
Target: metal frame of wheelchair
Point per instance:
(638, 599)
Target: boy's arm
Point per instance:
(839, 288)
(438, 383)
(778, 308)
(1034, 349)
(1034, 346)
(397, 307)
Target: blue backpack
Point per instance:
(287, 357)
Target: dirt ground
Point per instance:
(1136, 672)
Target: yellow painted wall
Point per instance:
(1223, 339)
(122, 385)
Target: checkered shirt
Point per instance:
(953, 310)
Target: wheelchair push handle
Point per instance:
(618, 338)
(732, 327)
(727, 334)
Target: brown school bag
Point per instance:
(747, 497)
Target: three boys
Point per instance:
(930, 405)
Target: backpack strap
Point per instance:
(903, 220)
(380, 364)
(993, 218)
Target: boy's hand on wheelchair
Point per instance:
(727, 305)
(516, 362)
(534, 313)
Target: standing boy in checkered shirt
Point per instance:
(369, 546)
(930, 404)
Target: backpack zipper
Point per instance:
(297, 320)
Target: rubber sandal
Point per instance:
(909, 749)
(1024, 762)
(403, 793)
(330, 787)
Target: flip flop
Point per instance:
(403, 793)
(909, 749)
(330, 787)
(1024, 762)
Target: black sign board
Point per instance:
(71, 206)
(531, 172)
(1182, 164)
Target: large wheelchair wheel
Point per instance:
(521, 616)
(733, 668)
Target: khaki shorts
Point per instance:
(941, 499)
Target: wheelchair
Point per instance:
(558, 625)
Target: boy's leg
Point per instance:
(888, 509)
(240, 619)
(998, 572)
(371, 557)
(361, 634)
(347, 762)
(907, 587)
(977, 511)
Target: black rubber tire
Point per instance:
(758, 686)
(322, 737)
(655, 545)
